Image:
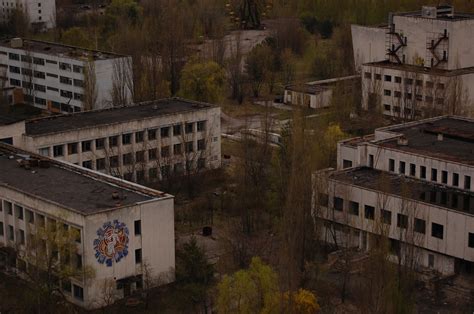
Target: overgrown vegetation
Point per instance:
(263, 201)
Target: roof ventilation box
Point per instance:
(428, 12)
(16, 43)
(402, 141)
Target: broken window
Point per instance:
(165, 132)
(369, 212)
(58, 151)
(139, 137)
(391, 165)
(189, 127)
(402, 221)
(338, 203)
(420, 226)
(437, 230)
(126, 139)
(386, 216)
(354, 208)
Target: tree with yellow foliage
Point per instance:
(202, 81)
(301, 302)
(255, 290)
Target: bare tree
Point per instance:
(457, 99)
(27, 72)
(108, 295)
(50, 260)
(235, 68)
(122, 82)
(90, 86)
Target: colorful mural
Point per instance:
(111, 244)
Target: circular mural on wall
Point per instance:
(111, 244)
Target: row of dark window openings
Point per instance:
(14, 4)
(86, 146)
(165, 170)
(42, 75)
(39, 61)
(397, 109)
(419, 225)
(20, 239)
(407, 81)
(423, 175)
(54, 104)
(29, 216)
(137, 226)
(43, 88)
(66, 286)
(127, 159)
(409, 96)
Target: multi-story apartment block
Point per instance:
(414, 184)
(62, 78)
(117, 228)
(420, 65)
(41, 14)
(142, 142)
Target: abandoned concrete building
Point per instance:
(60, 78)
(114, 227)
(143, 142)
(419, 65)
(318, 94)
(412, 183)
(41, 14)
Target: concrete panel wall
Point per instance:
(211, 135)
(104, 71)
(430, 98)
(461, 51)
(156, 241)
(15, 131)
(368, 44)
(456, 224)
(382, 156)
(418, 32)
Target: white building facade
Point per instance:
(119, 226)
(56, 77)
(414, 184)
(41, 14)
(421, 50)
(143, 142)
(318, 94)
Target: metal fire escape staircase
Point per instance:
(394, 43)
(438, 45)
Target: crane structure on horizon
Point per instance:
(248, 14)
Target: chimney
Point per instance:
(402, 141)
(440, 137)
(16, 42)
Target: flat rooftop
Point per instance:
(77, 189)
(61, 50)
(420, 69)
(317, 87)
(442, 12)
(456, 145)
(12, 114)
(411, 188)
(96, 118)
(307, 88)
